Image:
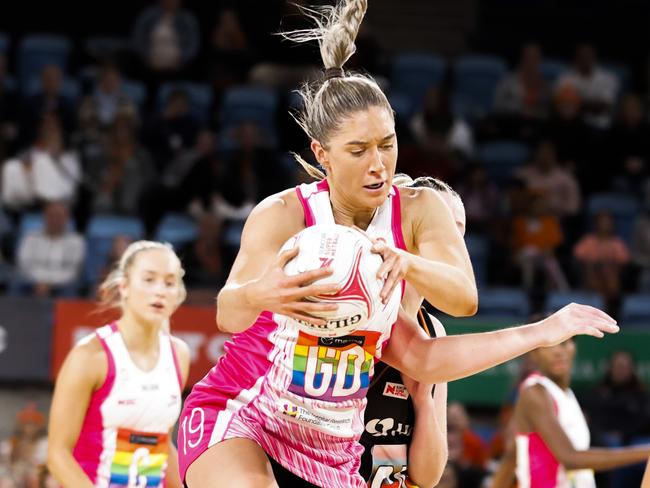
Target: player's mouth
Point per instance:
(375, 186)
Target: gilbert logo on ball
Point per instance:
(355, 267)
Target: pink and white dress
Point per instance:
(537, 466)
(300, 397)
(124, 438)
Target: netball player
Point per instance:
(285, 399)
(118, 394)
(552, 441)
(405, 418)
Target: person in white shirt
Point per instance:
(50, 260)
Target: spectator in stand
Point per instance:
(467, 455)
(481, 198)
(50, 260)
(523, 93)
(618, 405)
(558, 187)
(49, 100)
(633, 177)
(630, 135)
(108, 98)
(598, 87)
(47, 171)
(602, 255)
(8, 122)
(202, 258)
(166, 37)
(27, 448)
(437, 121)
(641, 244)
(173, 131)
(536, 237)
(118, 175)
(230, 55)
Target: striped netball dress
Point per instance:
(300, 397)
(124, 437)
(537, 466)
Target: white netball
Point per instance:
(347, 252)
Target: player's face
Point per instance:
(360, 157)
(556, 361)
(152, 288)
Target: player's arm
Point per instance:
(257, 282)
(82, 372)
(442, 359)
(182, 351)
(438, 265)
(504, 477)
(172, 474)
(537, 406)
(645, 483)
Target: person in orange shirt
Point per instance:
(535, 236)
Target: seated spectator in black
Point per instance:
(558, 187)
(166, 37)
(630, 135)
(524, 93)
(602, 256)
(641, 245)
(438, 121)
(48, 100)
(632, 177)
(597, 86)
(481, 198)
(118, 175)
(8, 107)
(50, 260)
(118, 246)
(202, 258)
(618, 405)
(230, 55)
(108, 98)
(46, 171)
(172, 131)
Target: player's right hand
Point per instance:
(276, 292)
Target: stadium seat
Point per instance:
(101, 231)
(501, 158)
(552, 69)
(177, 229)
(635, 310)
(250, 103)
(199, 94)
(413, 73)
(503, 302)
(556, 300)
(475, 81)
(623, 207)
(477, 247)
(70, 88)
(402, 105)
(136, 91)
(37, 51)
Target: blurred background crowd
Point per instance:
(170, 120)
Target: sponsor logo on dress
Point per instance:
(396, 390)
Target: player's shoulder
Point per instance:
(279, 215)
(420, 200)
(181, 348)
(88, 359)
(535, 397)
(284, 203)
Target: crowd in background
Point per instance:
(555, 178)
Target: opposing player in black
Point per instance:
(406, 421)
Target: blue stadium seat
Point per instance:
(70, 88)
(501, 158)
(475, 81)
(552, 69)
(136, 91)
(623, 207)
(177, 229)
(503, 302)
(636, 310)
(402, 105)
(413, 73)
(250, 103)
(556, 300)
(199, 94)
(101, 231)
(4, 43)
(37, 51)
(477, 247)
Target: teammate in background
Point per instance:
(118, 394)
(552, 440)
(405, 419)
(284, 405)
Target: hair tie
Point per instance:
(333, 73)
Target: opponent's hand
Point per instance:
(575, 319)
(276, 292)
